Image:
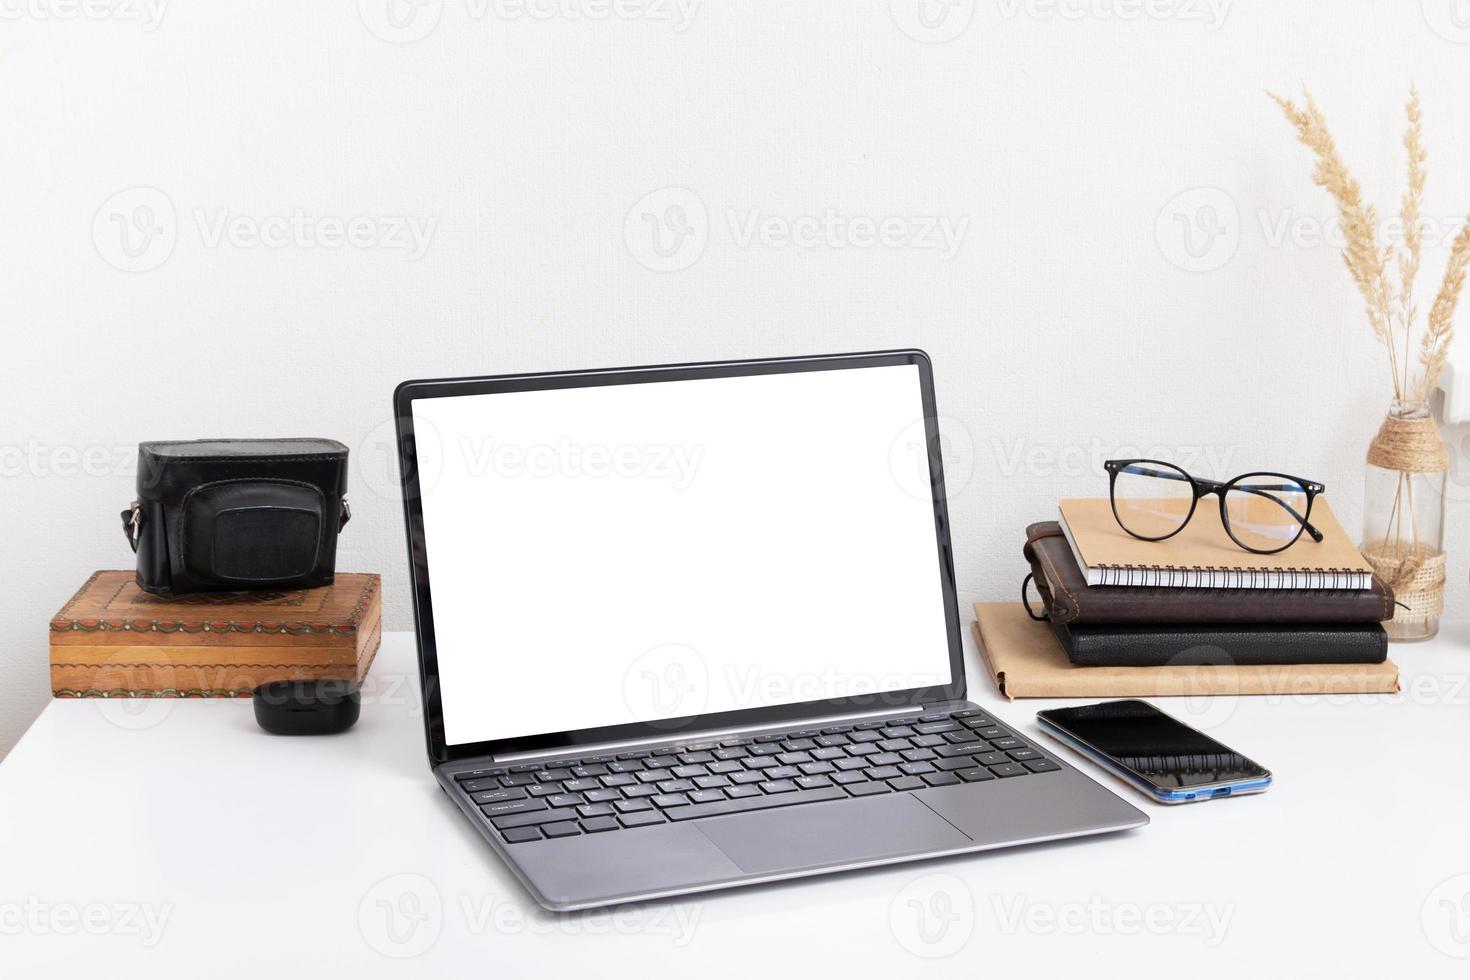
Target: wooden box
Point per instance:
(115, 640)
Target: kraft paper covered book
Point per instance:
(1026, 661)
(1202, 556)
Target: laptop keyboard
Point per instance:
(601, 793)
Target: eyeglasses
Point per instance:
(1262, 512)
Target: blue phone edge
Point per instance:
(1239, 788)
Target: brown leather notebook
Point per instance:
(1025, 661)
(1068, 599)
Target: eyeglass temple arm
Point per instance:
(1306, 524)
(1259, 491)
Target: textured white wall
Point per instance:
(1102, 231)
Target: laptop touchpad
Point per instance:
(823, 834)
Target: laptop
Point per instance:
(693, 626)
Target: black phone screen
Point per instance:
(1166, 752)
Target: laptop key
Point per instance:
(933, 717)
(975, 775)
(706, 796)
(494, 773)
(957, 751)
(783, 772)
(520, 835)
(883, 772)
(904, 783)
(567, 828)
(1023, 755)
(828, 741)
(927, 741)
(732, 765)
(632, 806)
(831, 752)
(646, 818)
(950, 765)
(756, 803)
(894, 744)
(666, 800)
(599, 824)
(518, 779)
(918, 755)
(799, 744)
(885, 759)
(816, 768)
(529, 819)
(867, 789)
(480, 785)
(619, 779)
(688, 772)
(553, 775)
(635, 792)
(743, 778)
(1010, 769)
(733, 752)
(544, 789)
(934, 728)
(1042, 765)
(844, 778)
(689, 758)
(940, 778)
(602, 795)
(498, 795)
(740, 792)
(1007, 743)
(526, 767)
(779, 786)
(793, 758)
(813, 782)
(852, 763)
(676, 786)
(580, 785)
(512, 806)
(594, 810)
(916, 768)
(992, 759)
(624, 765)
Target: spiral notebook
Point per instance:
(1202, 556)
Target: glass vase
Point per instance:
(1403, 518)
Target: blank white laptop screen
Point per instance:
(636, 552)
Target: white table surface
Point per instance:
(173, 838)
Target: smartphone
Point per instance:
(1154, 753)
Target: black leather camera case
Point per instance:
(225, 515)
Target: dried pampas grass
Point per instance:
(1391, 312)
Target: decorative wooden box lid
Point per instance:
(110, 609)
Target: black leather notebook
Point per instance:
(1274, 643)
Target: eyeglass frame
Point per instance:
(1203, 488)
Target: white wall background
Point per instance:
(1069, 145)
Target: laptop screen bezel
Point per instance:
(440, 751)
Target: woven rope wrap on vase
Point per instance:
(1410, 445)
(1416, 582)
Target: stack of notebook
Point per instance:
(1116, 601)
